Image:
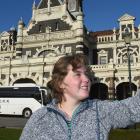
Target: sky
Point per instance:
(98, 14)
(104, 14)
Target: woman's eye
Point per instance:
(77, 74)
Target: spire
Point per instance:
(139, 31)
(19, 38)
(34, 5)
(21, 21)
(49, 6)
(20, 24)
(12, 28)
(33, 12)
(65, 10)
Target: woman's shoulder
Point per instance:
(93, 102)
(37, 115)
(96, 103)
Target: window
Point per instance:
(103, 59)
(127, 30)
(125, 59)
(129, 26)
(108, 38)
(123, 27)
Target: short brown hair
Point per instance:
(60, 71)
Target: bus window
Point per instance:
(21, 100)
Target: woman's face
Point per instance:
(76, 84)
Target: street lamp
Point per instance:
(127, 39)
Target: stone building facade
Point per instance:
(56, 28)
(27, 54)
(110, 60)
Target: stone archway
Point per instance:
(99, 91)
(24, 80)
(122, 90)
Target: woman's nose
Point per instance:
(86, 78)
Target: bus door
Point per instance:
(3, 105)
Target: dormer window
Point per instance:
(126, 27)
(102, 57)
(126, 21)
(130, 26)
(126, 30)
(103, 60)
(123, 27)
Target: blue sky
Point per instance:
(103, 14)
(99, 14)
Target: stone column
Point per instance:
(139, 84)
(79, 47)
(111, 88)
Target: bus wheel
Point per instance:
(27, 112)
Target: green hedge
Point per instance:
(125, 134)
(10, 134)
(118, 134)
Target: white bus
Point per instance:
(21, 100)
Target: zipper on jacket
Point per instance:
(69, 129)
(69, 123)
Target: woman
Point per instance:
(71, 115)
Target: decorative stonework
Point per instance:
(52, 36)
(126, 17)
(36, 49)
(118, 68)
(53, 50)
(122, 55)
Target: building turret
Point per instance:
(19, 38)
(114, 33)
(80, 24)
(13, 35)
(79, 33)
(33, 12)
(139, 31)
(49, 7)
(126, 21)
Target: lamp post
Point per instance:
(127, 39)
